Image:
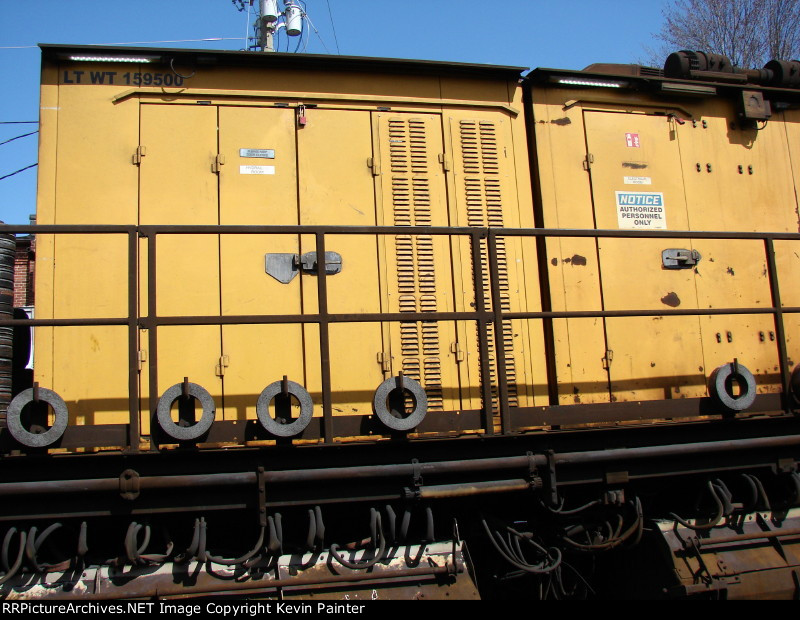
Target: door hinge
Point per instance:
(588, 161)
(607, 359)
(376, 167)
(384, 361)
(142, 357)
(445, 161)
(219, 161)
(224, 362)
(455, 349)
(141, 151)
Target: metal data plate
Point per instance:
(260, 153)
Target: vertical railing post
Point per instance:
(324, 340)
(152, 336)
(780, 332)
(483, 336)
(133, 343)
(499, 347)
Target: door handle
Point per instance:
(680, 259)
(284, 267)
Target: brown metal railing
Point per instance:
(510, 418)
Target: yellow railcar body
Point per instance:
(232, 142)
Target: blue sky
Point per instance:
(532, 33)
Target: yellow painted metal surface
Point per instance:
(177, 186)
(710, 173)
(788, 253)
(485, 195)
(227, 146)
(336, 187)
(417, 269)
(253, 199)
(85, 177)
(574, 284)
(743, 184)
(650, 357)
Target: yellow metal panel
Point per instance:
(788, 252)
(474, 90)
(737, 179)
(94, 380)
(229, 80)
(485, 195)
(177, 186)
(529, 283)
(651, 358)
(94, 183)
(791, 126)
(45, 214)
(336, 187)
(572, 262)
(418, 274)
(252, 199)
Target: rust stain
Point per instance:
(577, 260)
(731, 271)
(554, 262)
(672, 300)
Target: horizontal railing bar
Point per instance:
(390, 230)
(63, 322)
(88, 229)
(389, 317)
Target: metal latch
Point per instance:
(680, 259)
(284, 267)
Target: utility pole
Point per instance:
(270, 19)
(268, 16)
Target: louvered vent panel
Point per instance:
(416, 275)
(484, 202)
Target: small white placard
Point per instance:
(641, 210)
(256, 169)
(638, 181)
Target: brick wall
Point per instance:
(23, 272)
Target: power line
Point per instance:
(19, 122)
(18, 137)
(334, 27)
(18, 171)
(318, 34)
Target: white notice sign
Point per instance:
(256, 169)
(638, 181)
(641, 210)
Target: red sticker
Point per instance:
(632, 140)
